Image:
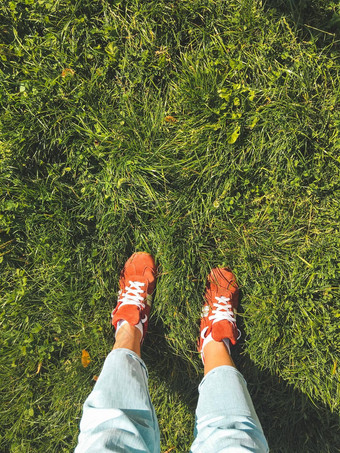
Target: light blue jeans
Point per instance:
(118, 415)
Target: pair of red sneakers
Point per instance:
(137, 283)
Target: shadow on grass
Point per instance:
(178, 373)
(314, 18)
(291, 422)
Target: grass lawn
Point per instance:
(206, 133)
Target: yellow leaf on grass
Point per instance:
(334, 367)
(85, 358)
(234, 136)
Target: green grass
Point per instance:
(205, 132)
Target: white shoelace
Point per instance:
(133, 296)
(223, 311)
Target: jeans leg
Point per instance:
(118, 415)
(226, 420)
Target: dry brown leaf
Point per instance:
(170, 119)
(67, 71)
(85, 358)
(39, 368)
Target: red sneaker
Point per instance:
(137, 283)
(218, 320)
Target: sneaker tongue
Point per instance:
(219, 291)
(129, 313)
(224, 329)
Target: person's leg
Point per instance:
(216, 354)
(226, 420)
(128, 337)
(118, 415)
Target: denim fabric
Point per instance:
(226, 420)
(118, 415)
